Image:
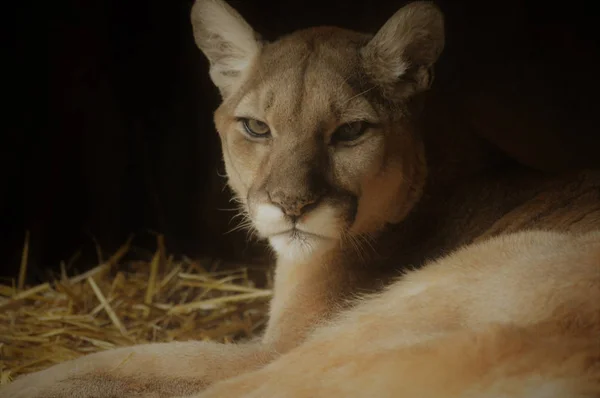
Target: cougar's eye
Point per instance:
(349, 132)
(256, 128)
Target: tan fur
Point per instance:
(510, 314)
(515, 316)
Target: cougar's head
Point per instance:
(316, 127)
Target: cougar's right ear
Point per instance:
(227, 40)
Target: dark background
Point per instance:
(108, 111)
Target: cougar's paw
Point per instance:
(151, 370)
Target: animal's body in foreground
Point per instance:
(326, 152)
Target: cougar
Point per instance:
(407, 264)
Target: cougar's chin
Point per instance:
(299, 245)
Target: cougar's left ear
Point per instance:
(401, 55)
(227, 40)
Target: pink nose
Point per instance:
(294, 206)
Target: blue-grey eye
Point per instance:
(256, 128)
(349, 132)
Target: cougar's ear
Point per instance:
(401, 55)
(229, 43)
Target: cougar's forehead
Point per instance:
(313, 79)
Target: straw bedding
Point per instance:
(120, 303)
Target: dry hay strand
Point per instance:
(118, 304)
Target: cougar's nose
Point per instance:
(294, 206)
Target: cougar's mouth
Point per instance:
(298, 234)
(297, 244)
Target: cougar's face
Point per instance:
(307, 144)
(316, 136)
